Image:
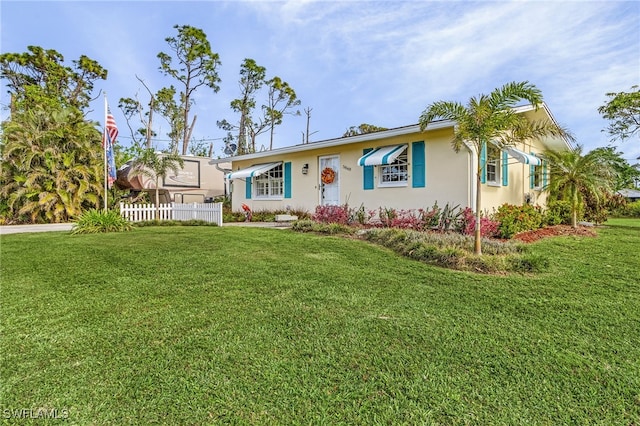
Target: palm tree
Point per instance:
(490, 118)
(50, 164)
(156, 166)
(574, 176)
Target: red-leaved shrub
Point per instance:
(488, 226)
(332, 214)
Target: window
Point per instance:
(396, 173)
(269, 184)
(493, 165)
(538, 177)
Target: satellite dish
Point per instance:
(230, 148)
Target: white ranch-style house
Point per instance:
(402, 168)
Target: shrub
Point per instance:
(406, 219)
(488, 226)
(443, 219)
(386, 216)
(449, 218)
(514, 219)
(630, 209)
(431, 217)
(332, 214)
(450, 250)
(306, 225)
(557, 212)
(360, 215)
(303, 225)
(97, 221)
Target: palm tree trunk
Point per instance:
(574, 207)
(477, 236)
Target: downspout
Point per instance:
(224, 174)
(471, 187)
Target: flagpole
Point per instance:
(104, 149)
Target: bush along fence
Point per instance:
(208, 212)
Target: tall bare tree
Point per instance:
(252, 78)
(195, 65)
(282, 99)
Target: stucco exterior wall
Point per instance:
(447, 176)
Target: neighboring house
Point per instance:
(198, 181)
(400, 168)
(630, 194)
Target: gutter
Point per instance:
(415, 128)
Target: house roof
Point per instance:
(398, 131)
(629, 193)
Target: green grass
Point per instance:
(205, 325)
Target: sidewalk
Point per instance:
(18, 229)
(279, 225)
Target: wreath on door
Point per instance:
(328, 175)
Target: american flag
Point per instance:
(111, 129)
(109, 139)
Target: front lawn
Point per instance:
(204, 325)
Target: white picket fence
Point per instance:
(209, 212)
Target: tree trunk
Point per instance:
(193, 123)
(574, 208)
(150, 123)
(477, 236)
(185, 140)
(242, 137)
(271, 138)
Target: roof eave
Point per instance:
(399, 131)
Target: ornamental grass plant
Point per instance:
(99, 221)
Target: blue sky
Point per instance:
(353, 62)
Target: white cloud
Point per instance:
(370, 61)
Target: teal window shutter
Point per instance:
(483, 163)
(505, 168)
(544, 173)
(287, 180)
(532, 176)
(367, 173)
(247, 188)
(418, 165)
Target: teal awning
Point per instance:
(382, 155)
(523, 157)
(252, 171)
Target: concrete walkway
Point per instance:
(279, 225)
(19, 229)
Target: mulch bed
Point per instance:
(554, 231)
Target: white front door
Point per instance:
(329, 190)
